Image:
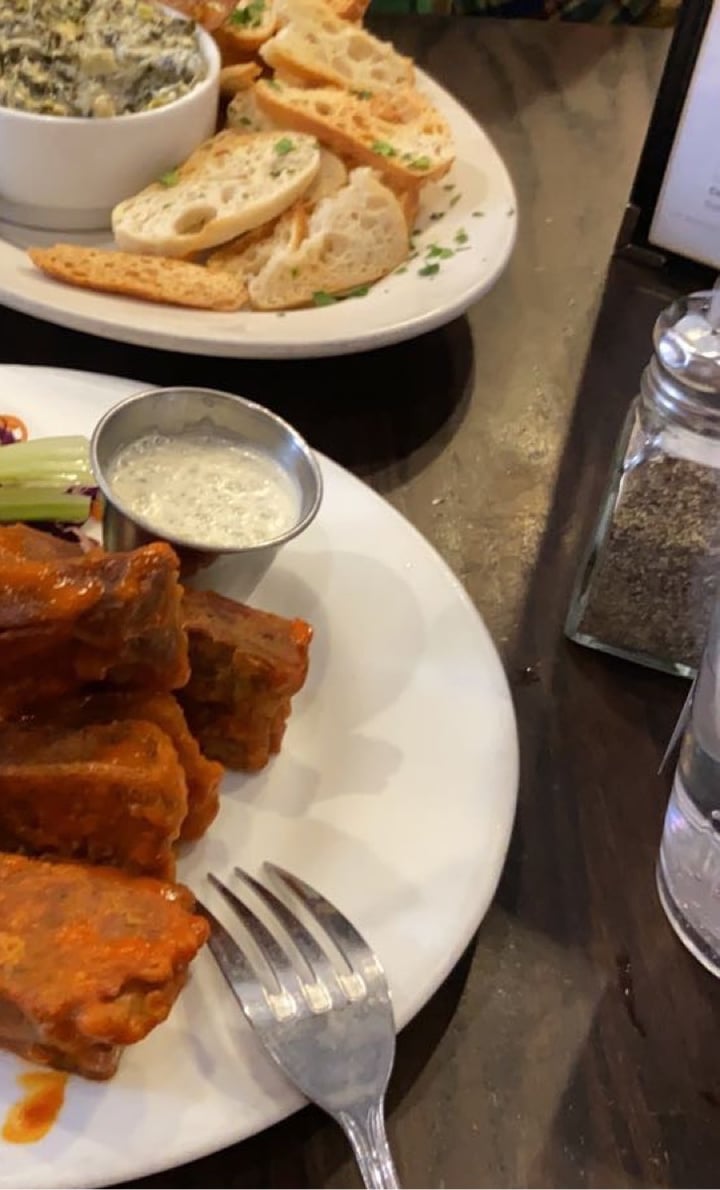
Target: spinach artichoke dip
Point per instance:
(95, 57)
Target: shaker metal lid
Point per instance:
(688, 344)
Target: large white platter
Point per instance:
(481, 206)
(394, 794)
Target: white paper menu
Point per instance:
(687, 214)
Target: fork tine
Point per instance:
(318, 962)
(349, 942)
(237, 971)
(275, 956)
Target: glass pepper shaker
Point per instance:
(646, 588)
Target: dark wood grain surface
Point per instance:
(576, 1042)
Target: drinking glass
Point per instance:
(688, 870)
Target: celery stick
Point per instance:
(64, 462)
(42, 504)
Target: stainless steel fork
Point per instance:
(330, 1030)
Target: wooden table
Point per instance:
(575, 1043)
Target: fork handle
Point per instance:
(364, 1127)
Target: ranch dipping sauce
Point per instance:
(205, 490)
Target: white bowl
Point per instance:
(66, 173)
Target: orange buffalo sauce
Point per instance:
(32, 1117)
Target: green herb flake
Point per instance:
(245, 121)
(363, 94)
(478, 214)
(435, 215)
(249, 17)
(170, 178)
(461, 236)
(421, 163)
(284, 146)
(321, 298)
(449, 186)
(360, 291)
(429, 270)
(455, 199)
(384, 149)
(274, 84)
(435, 251)
(402, 269)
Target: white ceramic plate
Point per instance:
(394, 794)
(481, 207)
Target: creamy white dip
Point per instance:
(205, 490)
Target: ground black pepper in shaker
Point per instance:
(647, 584)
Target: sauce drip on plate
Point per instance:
(32, 1117)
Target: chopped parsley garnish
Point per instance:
(449, 186)
(435, 215)
(421, 163)
(455, 199)
(170, 178)
(245, 120)
(274, 84)
(461, 236)
(363, 94)
(249, 17)
(384, 149)
(429, 270)
(284, 146)
(294, 272)
(478, 214)
(321, 298)
(402, 269)
(440, 253)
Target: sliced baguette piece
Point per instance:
(174, 282)
(354, 237)
(330, 177)
(401, 135)
(319, 46)
(231, 184)
(238, 78)
(208, 13)
(347, 10)
(246, 256)
(245, 29)
(409, 200)
(244, 114)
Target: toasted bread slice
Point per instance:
(409, 200)
(244, 114)
(208, 13)
(238, 78)
(354, 237)
(247, 255)
(401, 135)
(347, 10)
(174, 282)
(319, 46)
(231, 184)
(330, 177)
(245, 29)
